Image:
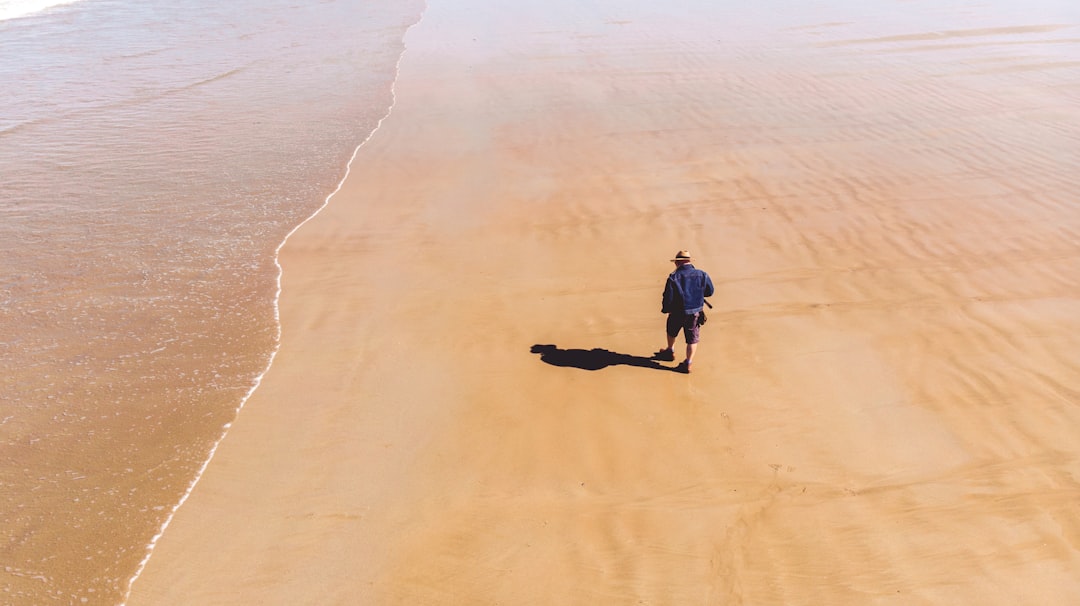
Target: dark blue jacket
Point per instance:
(686, 290)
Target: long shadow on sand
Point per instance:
(593, 359)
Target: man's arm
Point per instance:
(708, 286)
(665, 303)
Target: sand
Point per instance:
(883, 410)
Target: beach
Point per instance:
(884, 406)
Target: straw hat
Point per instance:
(682, 255)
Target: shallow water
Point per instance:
(153, 156)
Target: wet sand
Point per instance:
(884, 408)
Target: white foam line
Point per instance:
(25, 8)
(277, 317)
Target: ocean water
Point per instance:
(153, 157)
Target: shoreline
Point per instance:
(143, 213)
(277, 317)
(410, 447)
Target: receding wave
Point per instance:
(128, 102)
(215, 78)
(8, 129)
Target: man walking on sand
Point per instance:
(684, 300)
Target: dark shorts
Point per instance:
(687, 323)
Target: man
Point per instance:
(684, 300)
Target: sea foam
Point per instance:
(13, 9)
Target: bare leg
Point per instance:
(691, 348)
(671, 342)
